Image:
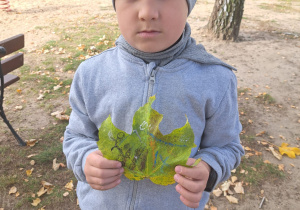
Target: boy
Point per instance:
(155, 55)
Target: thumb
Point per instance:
(190, 161)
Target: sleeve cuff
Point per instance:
(212, 179)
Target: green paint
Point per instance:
(146, 152)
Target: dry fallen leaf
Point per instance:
(41, 192)
(267, 162)
(47, 185)
(275, 153)
(31, 142)
(289, 151)
(213, 208)
(232, 199)
(239, 188)
(234, 179)
(217, 192)
(281, 167)
(43, 208)
(32, 162)
(282, 137)
(225, 186)
(19, 107)
(248, 149)
(12, 190)
(69, 186)
(36, 202)
(66, 194)
(32, 155)
(29, 172)
(17, 194)
(261, 133)
(60, 115)
(55, 165)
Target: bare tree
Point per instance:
(226, 18)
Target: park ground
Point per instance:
(61, 34)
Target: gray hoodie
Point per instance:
(116, 83)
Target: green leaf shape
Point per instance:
(146, 152)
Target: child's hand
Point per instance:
(191, 182)
(101, 173)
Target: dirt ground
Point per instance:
(267, 57)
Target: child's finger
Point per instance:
(189, 203)
(106, 187)
(189, 172)
(193, 186)
(106, 173)
(109, 164)
(101, 181)
(192, 197)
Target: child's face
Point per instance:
(151, 25)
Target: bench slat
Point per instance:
(10, 79)
(12, 44)
(12, 63)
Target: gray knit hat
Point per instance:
(191, 4)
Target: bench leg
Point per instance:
(18, 138)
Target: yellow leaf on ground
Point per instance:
(289, 151)
(66, 194)
(36, 202)
(29, 172)
(43, 208)
(17, 194)
(69, 186)
(267, 162)
(31, 142)
(12, 190)
(232, 199)
(275, 153)
(32, 162)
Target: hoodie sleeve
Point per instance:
(80, 137)
(220, 145)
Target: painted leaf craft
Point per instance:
(146, 152)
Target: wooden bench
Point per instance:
(7, 65)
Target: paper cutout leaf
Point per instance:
(146, 152)
(289, 151)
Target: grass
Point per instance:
(266, 98)
(284, 7)
(258, 171)
(48, 148)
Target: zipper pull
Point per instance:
(152, 76)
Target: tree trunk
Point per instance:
(226, 18)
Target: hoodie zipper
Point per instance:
(149, 94)
(151, 83)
